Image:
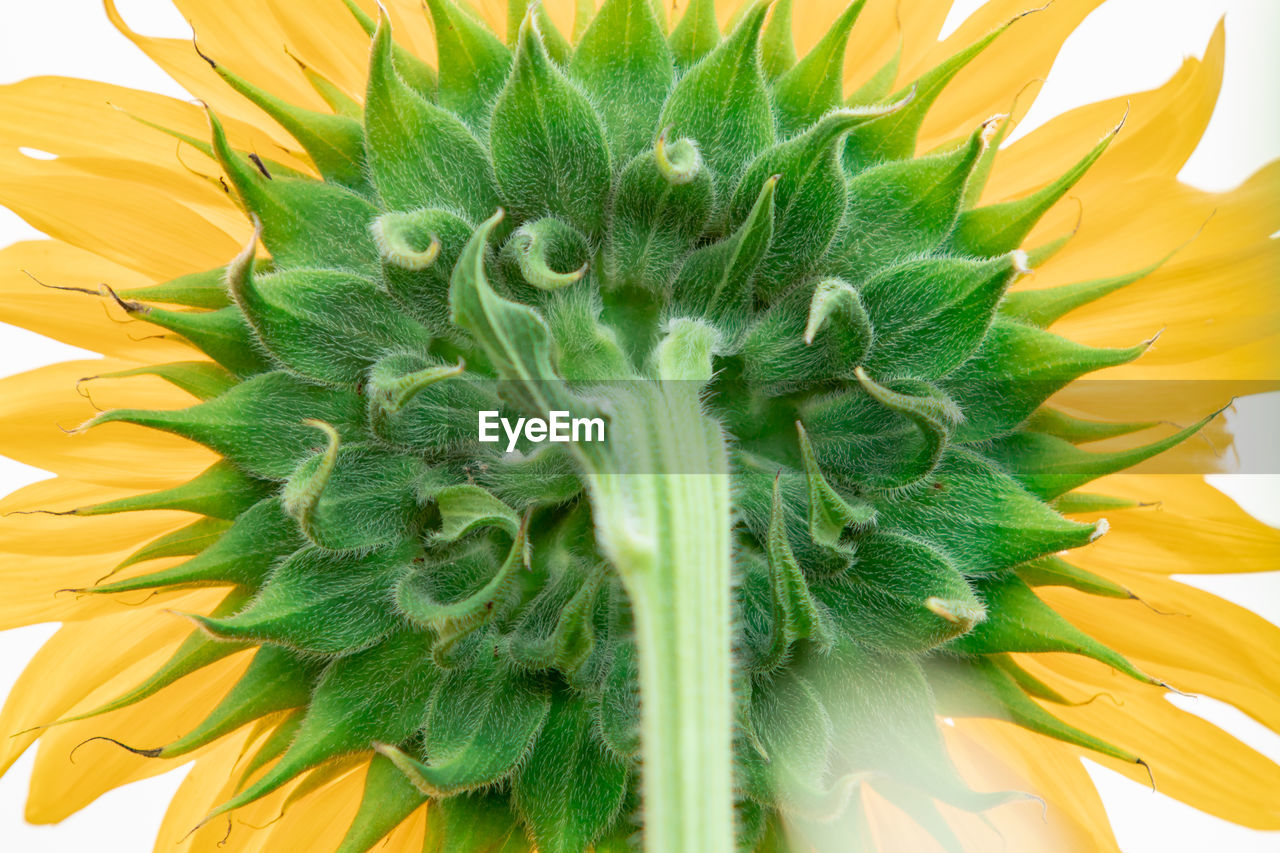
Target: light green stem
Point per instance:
(660, 492)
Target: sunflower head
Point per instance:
(702, 246)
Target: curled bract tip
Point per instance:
(679, 162)
(1021, 264)
(991, 127)
(1026, 12)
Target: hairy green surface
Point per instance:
(541, 225)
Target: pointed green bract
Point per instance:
(473, 63)
(905, 595)
(663, 201)
(893, 137)
(718, 280)
(1055, 571)
(987, 231)
(900, 209)
(421, 76)
(482, 722)
(482, 822)
(931, 315)
(221, 491)
(550, 151)
(815, 86)
(1049, 466)
(201, 379)
(421, 155)
(624, 63)
(389, 797)
(304, 223)
(697, 34)
(184, 542)
(291, 315)
(829, 512)
(777, 47)
(982, 689)
(296, 608)
(1046, 306)
(224, 335)
(563, 815)
(723, 102)
(1018, 621)
(1033, 365)
(277, 680)
(335, 143)
(809, 199)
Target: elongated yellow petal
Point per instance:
(87, 118)
(55, 793)
(317, 820)
(327, 38)
(987, 85)
(76, 652)
(201, 786)
(27, 528)
(1217, 647)
(995, 755)
(37, 407)
(74, 318)
(1162, 129)
(1189, 528)
(142, 229)
(875, 38)
(235, 28)
(1175, 743)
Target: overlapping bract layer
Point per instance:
(547, 224)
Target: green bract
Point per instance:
(826, 488)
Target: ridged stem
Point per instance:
(660, 492)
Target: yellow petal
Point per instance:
(74, 318)
(1190, 528)
(989, 83)
(1192, 639)
(228, 40)
(57, 793)
(1162, 129)
(1215, 298)
(1179, 746)
(26, 529)
(91, 119)
(37, 589)
(315, 822)
(327, 38)
(36, 407)
(994, 755)
(113, 653)
(875, 38)
(209, 782)
(192, 800)
(143, 229)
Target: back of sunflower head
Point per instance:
(826, 489)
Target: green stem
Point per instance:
(660, 494)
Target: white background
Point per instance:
(1128, 45)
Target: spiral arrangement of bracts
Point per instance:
(545, 221)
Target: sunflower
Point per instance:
(832, 581)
